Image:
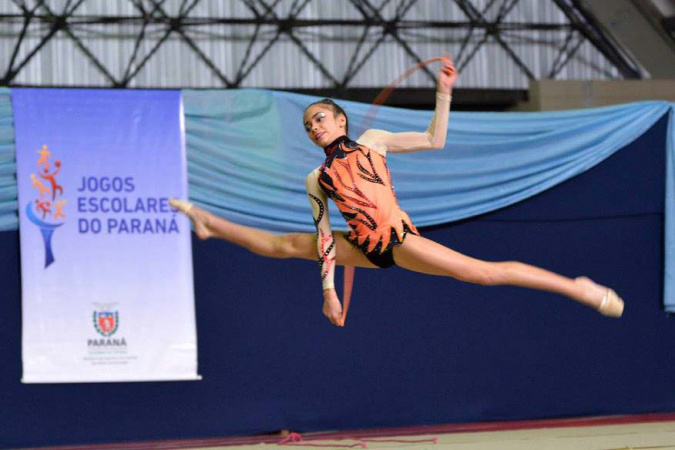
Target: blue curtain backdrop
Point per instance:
(8, 190)
(248, 156)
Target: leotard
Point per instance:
(357, 179)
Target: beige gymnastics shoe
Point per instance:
(180, 205)
(199, 222)
(611, 304)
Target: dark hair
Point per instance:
(337, 110)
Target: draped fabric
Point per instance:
(248, 156)
(244, 167)
(8, 192)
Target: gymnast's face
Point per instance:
(322, 125)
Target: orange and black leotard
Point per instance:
(357, 179)
(355, 176)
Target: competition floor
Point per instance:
(652, 431)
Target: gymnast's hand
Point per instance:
(332, 308)
(447, 76)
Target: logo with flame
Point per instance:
(46, 211)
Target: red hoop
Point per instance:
(367, 122)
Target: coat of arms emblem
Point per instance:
(106, 321)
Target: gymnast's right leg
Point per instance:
(264, 243)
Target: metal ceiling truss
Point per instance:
(581, 19)
(154, 23)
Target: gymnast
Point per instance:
(355, 176)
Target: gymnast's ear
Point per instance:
(342, 121)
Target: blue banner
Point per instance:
(106, 264)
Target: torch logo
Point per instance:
(46, 211)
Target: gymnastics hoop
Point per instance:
(367, 122)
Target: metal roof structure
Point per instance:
(327, 46)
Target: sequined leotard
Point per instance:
(355, 175)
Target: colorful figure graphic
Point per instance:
(59, 209)
(51, 177)
(44, 154)
(43, 205)
(38, 184)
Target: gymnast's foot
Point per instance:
(603, 299)
(197, 216)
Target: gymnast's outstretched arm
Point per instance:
(434, 137)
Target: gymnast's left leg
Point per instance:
(419, 254)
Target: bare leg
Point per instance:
(264, 243)
(423, 255)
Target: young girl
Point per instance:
(355, 176)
